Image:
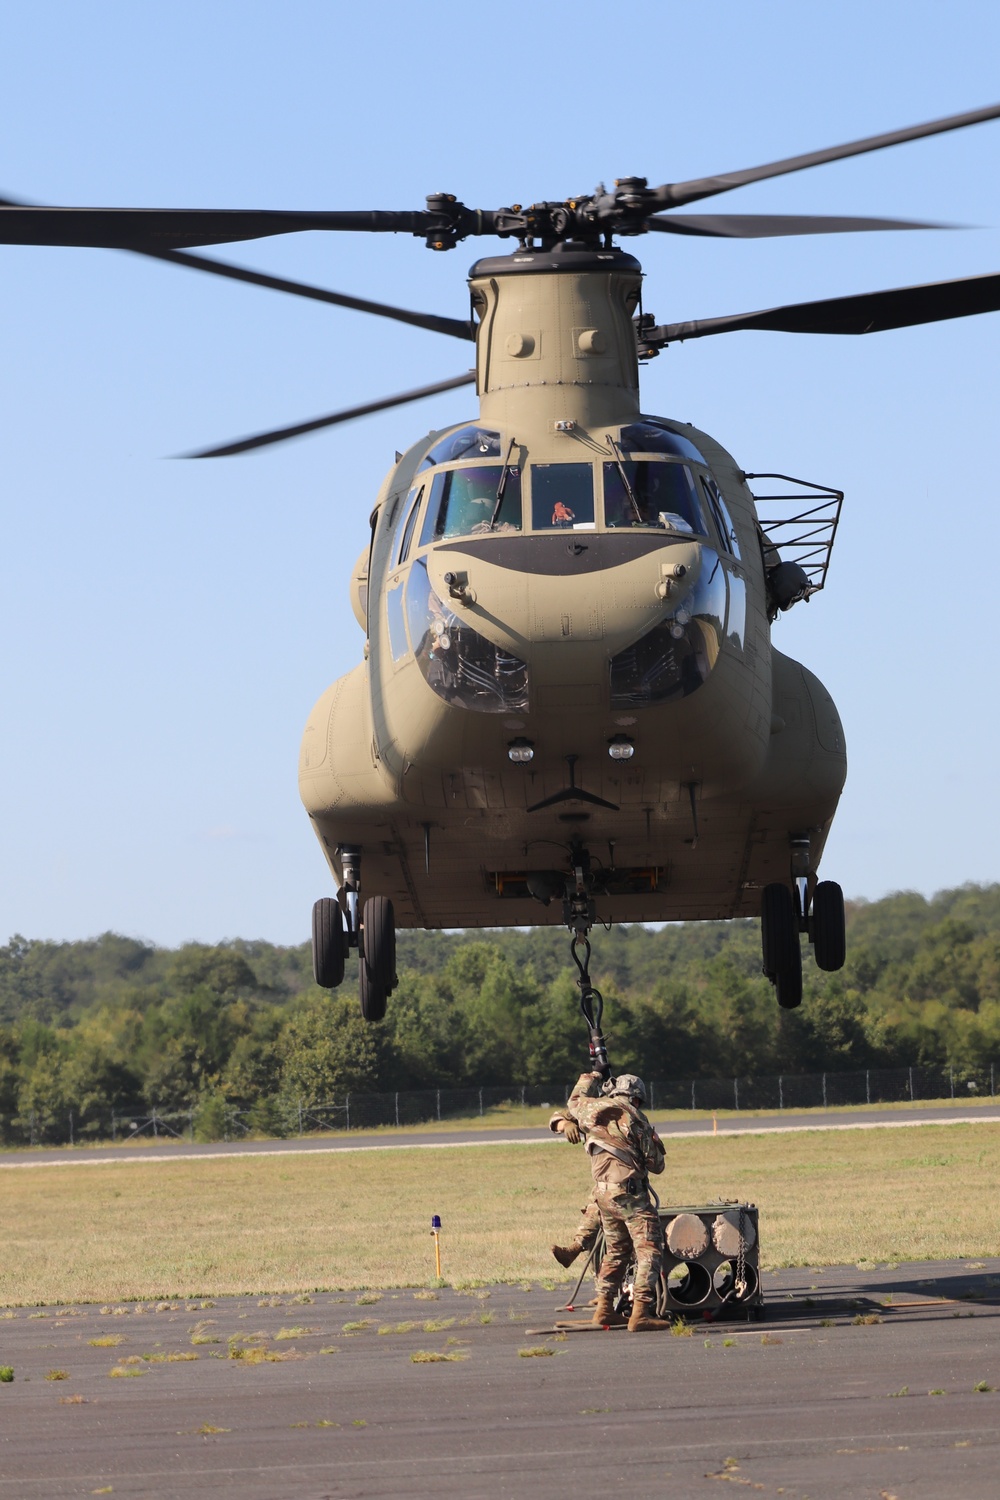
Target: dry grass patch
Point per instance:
(176, 1229)
(434, 1357)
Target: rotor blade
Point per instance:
(281, 434)
(871, 312)
(455, 327)
(174, 228)
(677, 193)
(762, 226)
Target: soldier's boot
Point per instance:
(604, 1312)
(566, 1254)
(643, 1319)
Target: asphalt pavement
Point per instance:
(166, 1149)
(858, 1382)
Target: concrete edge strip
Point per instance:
(543, 1140)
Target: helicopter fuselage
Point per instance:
(568, 642)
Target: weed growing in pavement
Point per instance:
(207, 1430)
(904, 1390)
(109, 1341)
(121, 1372)
(768, 1338)
(361, 1326)
(398, 1327)
(728, 1343)
(359, 1422)
(865, 1320)
(535, 1351)
(827, 1323)
(57, 1375)
(425, 1297)
(368, 1299)
(981, 1387)
(330, 1349)
(937, 1392)
(6, 1374)
(295, 1333)
(681, 1330)
(438, 1325)
(433, 1357)
(73, 1401)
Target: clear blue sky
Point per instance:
(166, 626)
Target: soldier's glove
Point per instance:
(571, 1131)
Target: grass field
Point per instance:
(281, 1223)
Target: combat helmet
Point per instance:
(630, 1085)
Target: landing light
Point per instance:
(520, 751)
(621, 747)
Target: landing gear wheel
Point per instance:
(788, 980)
(378, 956)
(328, 944)
(779, 928)
(829, 941)
(779, 935)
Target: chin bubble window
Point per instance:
(473, 501)
(652, 493)
(562, 497)
(459, 664)
(677, 655)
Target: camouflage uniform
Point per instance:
(589, 1226)
(623, 1148)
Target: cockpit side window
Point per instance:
(411, 521)
(562, 497)
(652, 493)
(720, 515)
(464, 501)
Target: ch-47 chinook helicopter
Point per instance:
(569, 707)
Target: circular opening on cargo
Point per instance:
(689, 1285)
(724, 1280)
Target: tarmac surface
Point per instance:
(410, 1140)
(858, 1382)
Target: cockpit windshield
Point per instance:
(466, 502)
(467, 442)
(652, 494)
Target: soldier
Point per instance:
(589, 1226)
(623, 1149)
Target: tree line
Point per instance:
(114, 1023)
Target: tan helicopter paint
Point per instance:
(391, 766)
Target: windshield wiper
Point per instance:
(624, 477)
(503, 483)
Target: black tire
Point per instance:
(378, 941)
(779, 929)
(829, 938)
(328, 944)
(788, 979)
(373, 996)
(377, 956)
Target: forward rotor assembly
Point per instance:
(589, 221)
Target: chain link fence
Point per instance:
(215, 1118)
